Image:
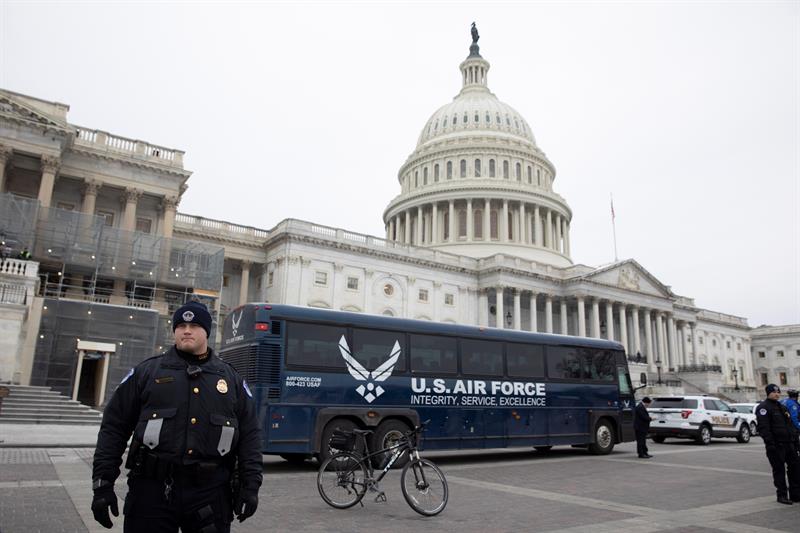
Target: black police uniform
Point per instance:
(641, 426)
(192, 421)
(780, 438)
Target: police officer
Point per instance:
(780, 439)
(641, 426)
(194, 427)
(793, 407)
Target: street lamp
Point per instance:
(658, 369)
(508, 318)
(735, 379)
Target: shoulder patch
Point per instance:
(127, 376)
(762, 411)
(246, 388)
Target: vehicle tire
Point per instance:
(744, 433)
(341, 480)
(389, 433)
(603, 439)
(325, 451)
(543, 449)
(704, 436)
(753, 429)
(659, 439)
(295, 458)
(424, 487)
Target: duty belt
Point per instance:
(150, 466)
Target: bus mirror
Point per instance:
(643, 378)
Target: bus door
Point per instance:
(627, 401)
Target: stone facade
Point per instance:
(776, 355)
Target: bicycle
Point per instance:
(345, 477)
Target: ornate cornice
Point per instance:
(117, 158)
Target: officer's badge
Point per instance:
(187, 316)
(762, 412)
(222, 386)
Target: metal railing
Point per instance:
(13, 293)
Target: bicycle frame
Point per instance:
(399, 450)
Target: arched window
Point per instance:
(505, 169)
(444, 122)
(463, 168)
(538, 177)
(518, 172)
(477, 117)
(449, 170)
(491, 168)
(466, 118)
(508, 122)
(429, 128)
(497, 117)
(416, 179)
(477, 168)
(436, 172)
(530, 174)
(510, 225)
(446, 224)
(477, 224)
(425, 176)
(493, 224)
(455, 119)
(488, 118)
(462, 223)
(436, 125)
(516, 123)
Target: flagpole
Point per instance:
(614, 228)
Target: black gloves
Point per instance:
(104, 498)
(245, 504)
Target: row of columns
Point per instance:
(656, 334)
(425, 224)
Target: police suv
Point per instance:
(696, 417)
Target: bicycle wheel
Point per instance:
(424, 487)
(341, 480)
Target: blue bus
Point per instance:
(314, 370)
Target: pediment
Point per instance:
(16, 109)
(629, 275)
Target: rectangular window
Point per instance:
(764, 379)
(449, 299)
(727, 344)
(797, 353)
(762, 354)
(739, 346)
(600, 365)
(320, 278)
(779, 353)
(375, 348)
(482, 358)
(225, 280)
(432, 354)
(66, 206)
(674, 403)
(524, 360)
(423, 295)
(352, 283)
(270, 278)
(108, 215)
(144, 225)
(314, 345)
(782, 376)
(700, 340)
(563, 362)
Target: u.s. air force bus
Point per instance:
(312, 370)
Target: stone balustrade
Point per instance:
(101, 140)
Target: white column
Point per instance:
(517, 310)
(623, 326)
(6, 153)
(609, 320)
(523, 231)
(483, 307)
(245, 286)
(470, 224)
(558, 233)
(49, 166)
(418, 227)
(435, 223)
(548, 313)
(563, 311)
(90, 189)
(499, 318)
(682, 344)
(548, 232)
(504, 225)
(131, 198)
(537, 226)
(648, 341)
(169, 206)
(487, 225)
(637, 344)
(566, 238)
(534, 311)
(673, 354)
(408, 227)
(596, 318)
(452, 221)
(660, 340)
(581, 317)
(695, 356)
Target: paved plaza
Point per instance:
(685, 488)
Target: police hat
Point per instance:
(792, 393)
(772, 388)
(194, 313)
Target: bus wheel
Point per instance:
(603, 439)
(325, 451)
(542, 449)
(388, 434)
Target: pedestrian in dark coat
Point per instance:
(780, 439)
(195, 457)
(641, 426)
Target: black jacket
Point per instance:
(187, 417)
(641, 418)
(774, 423)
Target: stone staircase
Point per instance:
(27, 404)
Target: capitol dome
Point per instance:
(477, 184)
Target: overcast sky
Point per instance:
(688, 112)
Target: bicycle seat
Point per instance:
(362, 431)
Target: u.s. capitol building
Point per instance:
(476, 235)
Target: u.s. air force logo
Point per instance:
(235, 323)
(382, 373)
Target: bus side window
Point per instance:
(432, 354)
(372, 348)
(524, 360)
(314, 345)
(599, 364)
(624, 382)
(481, 358)
(563, 362)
